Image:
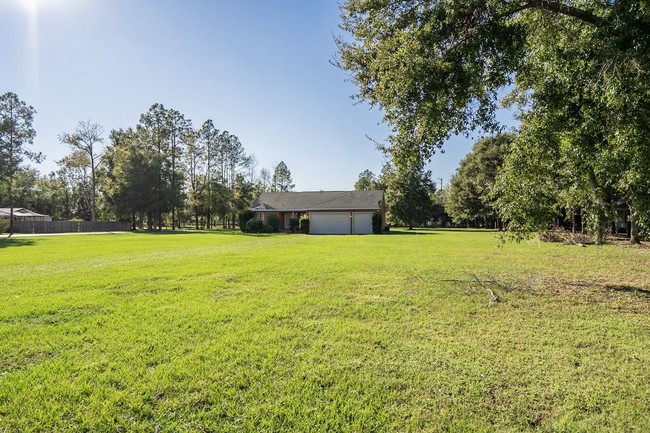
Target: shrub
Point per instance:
(268, 229)
(274, 222)
(244, 218)
(304, 225)
(254, 226)
(4, 225)
(376, 223)
(294, 225)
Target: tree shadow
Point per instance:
(459, 229)
(13, 242)
(629, 289)
(410, 232)
(187, 232)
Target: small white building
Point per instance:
(22, 214)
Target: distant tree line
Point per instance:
(162, 173)
(410, 193)
(499, 183)
(507, 182)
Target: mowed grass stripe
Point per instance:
(224, 331)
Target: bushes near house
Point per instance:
(294, 225)
(254, 226)
(376, 223)
(274, 222)
(4, 225)
(304, 225)
(244, 218)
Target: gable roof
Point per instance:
(318, 200)
(19, 212)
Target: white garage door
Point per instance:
(361, 223)
(329, 223)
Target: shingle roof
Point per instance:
(19, 212)
(318, 200)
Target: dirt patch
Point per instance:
(622, 296)
(559, 235)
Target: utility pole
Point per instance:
(440, 183)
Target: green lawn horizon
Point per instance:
(423, 330)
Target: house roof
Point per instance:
(318, 200)
(19, 212)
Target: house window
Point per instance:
(261, 216)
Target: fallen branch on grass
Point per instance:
(494, 298)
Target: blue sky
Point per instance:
(259, 69)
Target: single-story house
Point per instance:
(330, 212)
(22, 214)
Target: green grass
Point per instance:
(230, 332)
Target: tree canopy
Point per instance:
(282, 181)
(409, 192)
(87, 138)
(367, 181)
(16, 131)
(436, 67)
(470, 198)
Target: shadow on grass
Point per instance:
(215, 232)
(438, 230)
(424, 232)
(13, 242)
(188, 232)
(629, 289)
(451, 229)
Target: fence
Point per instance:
(70, 226)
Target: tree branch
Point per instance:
(560, 8)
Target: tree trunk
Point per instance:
(573, 223)
(601, 229)
(11, 208)
(173, 181)
(93, 215)
(599, 207)
(11, 184)
(634, 233)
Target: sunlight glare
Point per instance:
(32, 7)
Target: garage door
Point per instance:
(361, 223)
(329, 223)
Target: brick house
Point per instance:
(330, 212)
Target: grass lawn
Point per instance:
(412, 331)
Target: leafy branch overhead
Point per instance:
(436, 67)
